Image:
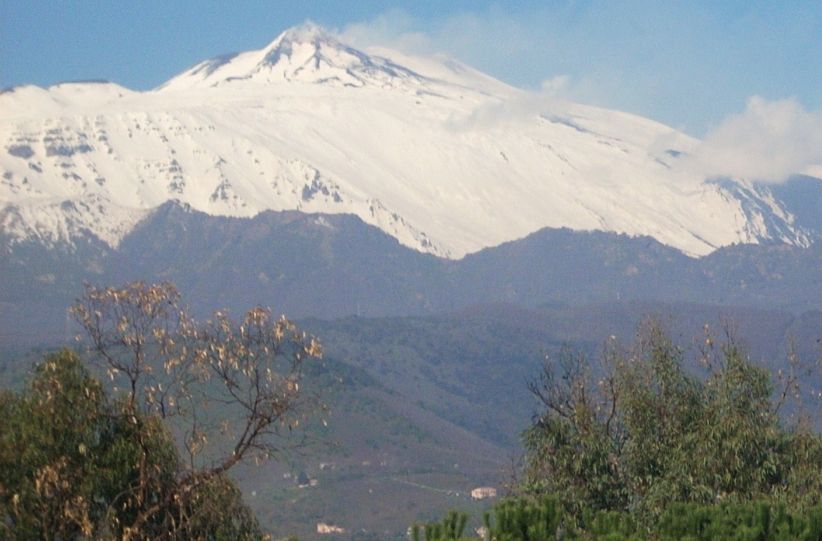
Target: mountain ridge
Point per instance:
(443, 158)
(327, 266)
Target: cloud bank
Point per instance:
(767, 142)
(684, 64)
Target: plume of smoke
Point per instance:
(768, 142)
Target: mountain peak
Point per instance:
(307, 32)
(306, 53)
(445, 159)
(309, 53)
(307, 36)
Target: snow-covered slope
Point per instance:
(440, 156)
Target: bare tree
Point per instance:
(229, 391)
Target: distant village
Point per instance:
(303, 481)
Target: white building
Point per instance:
(480, 493)
(323, 528)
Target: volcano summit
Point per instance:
(442, 157)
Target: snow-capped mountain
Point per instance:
(436, 154)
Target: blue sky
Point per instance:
(688, 64)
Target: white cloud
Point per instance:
(491, 39)
(683, 64)
(392, 29)
(510, 111)
(556, 86)
(520, 107)
(620, 58)
(768, 142)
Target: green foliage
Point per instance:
(638, 433)
(523, 519)
(217, 512)
(754, 521)
(451, 528)
(571, 447)
(637, 448)
(47, 439)
(76, 462)
(73, 466)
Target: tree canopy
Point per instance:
(638, 432)
(146, 456)
(636, 446)
(73, 467)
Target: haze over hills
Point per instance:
(441, 157)
(329, 266)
